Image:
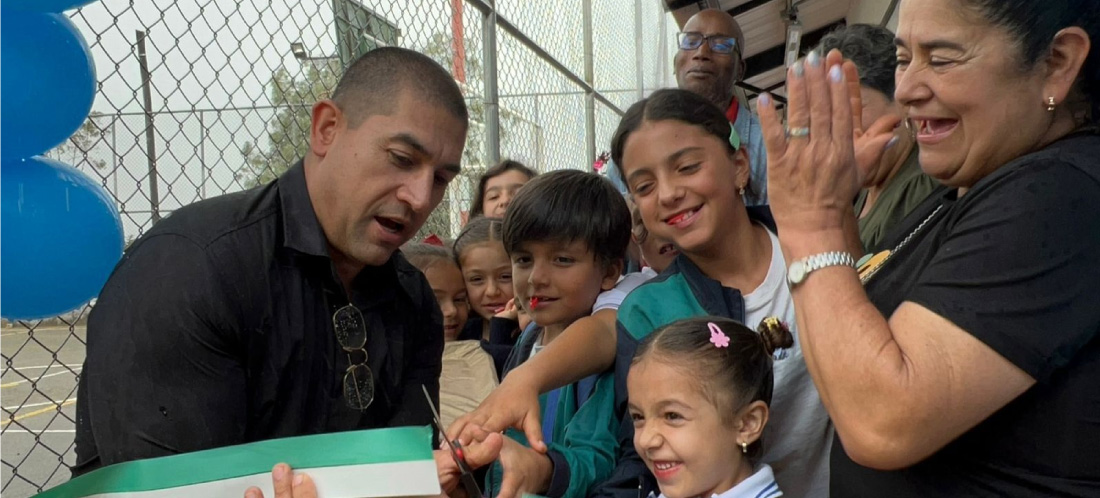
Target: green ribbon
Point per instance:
(401, 444)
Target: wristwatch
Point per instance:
(799, 270)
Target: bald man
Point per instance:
(710, 63)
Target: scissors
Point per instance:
(466, 476)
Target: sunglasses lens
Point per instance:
(350, 328)
(359, 386)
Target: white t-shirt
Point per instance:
(611, 299)
(799, 434)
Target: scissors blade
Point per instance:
(466, 477)
(442, 432)
(435, 413)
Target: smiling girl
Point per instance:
(685, 168)
(487, 272)
(699, 394)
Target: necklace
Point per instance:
(873, 264)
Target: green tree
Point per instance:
(76, 149)
(440, 49)
(287, 138)
(288, 133)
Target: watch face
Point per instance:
(796, 272)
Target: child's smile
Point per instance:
(558, 281)
(689, 447)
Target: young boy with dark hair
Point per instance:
(566, 233)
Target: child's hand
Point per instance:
(524, 320)
(482, 450)
(514, 403)
(510, 311)
(286, 484)
(525, 470)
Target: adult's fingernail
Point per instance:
(893, 141)
(798, 69)
(279, 473)
(813, 59)
(298, 480)
(836, 74)
(765, 99)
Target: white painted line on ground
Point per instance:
(46, 431)
(23, 330)
(11, 409)
(16, 383)
(40, 367)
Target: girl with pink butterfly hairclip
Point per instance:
(698, 394)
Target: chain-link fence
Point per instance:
(199, 98)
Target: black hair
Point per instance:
(732, 376)
(871, 48)
(424, 256)
(372, 84)
(568, 205)
(1033, 24)
(501, 168)
(477, 230)
(670, 104)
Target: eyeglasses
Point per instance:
(351, 333)
(719, 44)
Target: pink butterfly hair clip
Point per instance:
(717, 337)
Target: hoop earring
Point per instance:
(1051, 104)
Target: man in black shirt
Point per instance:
(285, 310)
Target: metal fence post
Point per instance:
(589, 77)
(117, 159)
(150, 141)
(639, 53)
(202, 157)
(490, 99)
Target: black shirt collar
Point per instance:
(301, 230)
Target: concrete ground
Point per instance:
(38, 394)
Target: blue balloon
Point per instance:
(45, 5)
(61, 238)
(48, 82)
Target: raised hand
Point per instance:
(813, 173)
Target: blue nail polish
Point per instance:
(835, 74)
(765, 99)
(893, 141)
(813, 59)
(798, 69)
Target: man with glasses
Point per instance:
(709, 62)
(285, 310)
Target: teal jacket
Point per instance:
(584, 442)
(681, 291)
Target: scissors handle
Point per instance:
(460, 456)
